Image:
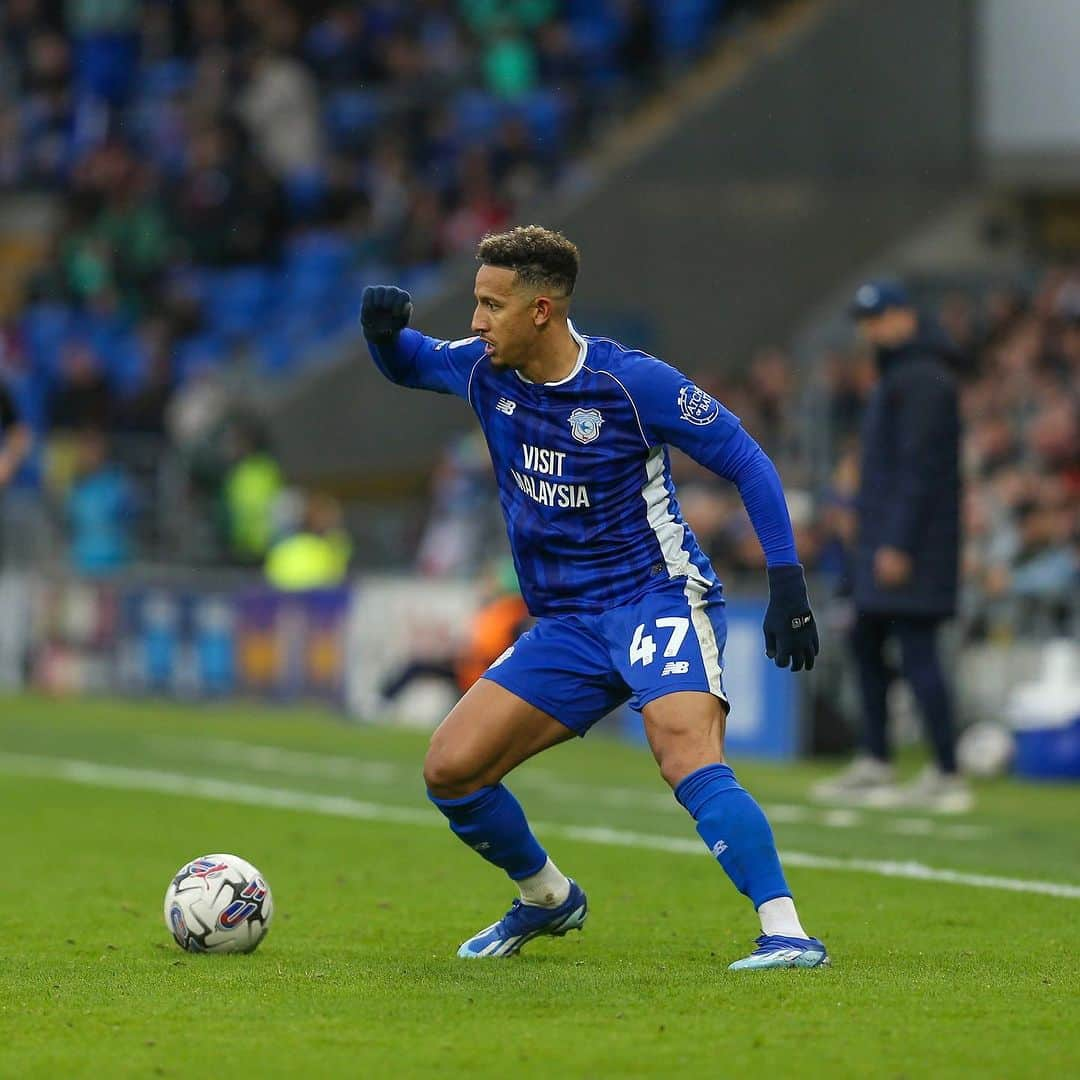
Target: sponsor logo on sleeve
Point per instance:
(697, 407)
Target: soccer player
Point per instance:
(627, 605)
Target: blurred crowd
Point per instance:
(227, 175)
(232, 172)
(1016, 354)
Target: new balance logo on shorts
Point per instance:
(506, 406)
(718, 849)
(675, 667)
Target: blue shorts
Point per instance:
(578, 668)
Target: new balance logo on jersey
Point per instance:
(506, 406)
(718, 849)
(675, 667)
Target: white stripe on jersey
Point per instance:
(671, 535)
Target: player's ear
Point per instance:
(543, 308)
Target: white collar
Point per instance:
(583, 349)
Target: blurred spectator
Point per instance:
(14, 436)
(82, 398)
(906, 552)
(280, 106)
(228, 209)
(510, 66)
(48, 117)
(251, 485)
(145, 408)
(106, 48)
(316, 555)
(100, 510)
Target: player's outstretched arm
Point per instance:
(407, 357)
(673, 410)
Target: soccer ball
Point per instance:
(218, 904)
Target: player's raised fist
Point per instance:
(384, 311)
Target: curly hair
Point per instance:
(541, 258)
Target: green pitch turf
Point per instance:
(358, 976)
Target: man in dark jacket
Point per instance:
(906, 556)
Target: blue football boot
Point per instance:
(777, 951)
(523, 922)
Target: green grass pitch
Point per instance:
(102, 801)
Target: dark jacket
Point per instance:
(909, 485)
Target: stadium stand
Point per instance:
(230, 175)
(223, 178)
(255, 164)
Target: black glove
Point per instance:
(790, 631)
(384, 311)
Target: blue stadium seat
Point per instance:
(683, 24)
(46, 327)
(317, 264)
(597, 37)
(305, 192)
(164, 78)
(319, 251)
(477, 115)
(545, 113)
(236, 301)
(125, 365)
(276, 354)
(198, 353)
(351, 116)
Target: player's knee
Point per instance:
(449, 774)
(675, 768)
(678, 754)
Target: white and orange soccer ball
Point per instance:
(218, 904)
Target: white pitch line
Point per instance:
(279, 759)
(153, 780)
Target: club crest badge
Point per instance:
(697, 407)
(585, 424)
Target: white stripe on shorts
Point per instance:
(706, 635)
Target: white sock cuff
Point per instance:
(780, 917)
(549, 887)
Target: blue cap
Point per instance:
(874, 297)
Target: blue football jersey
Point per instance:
(582, 464)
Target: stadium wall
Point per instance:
(826, 137)
(193, 637)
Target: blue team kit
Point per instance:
(628, 606)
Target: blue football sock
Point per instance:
(735, 830)
(493, 824)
